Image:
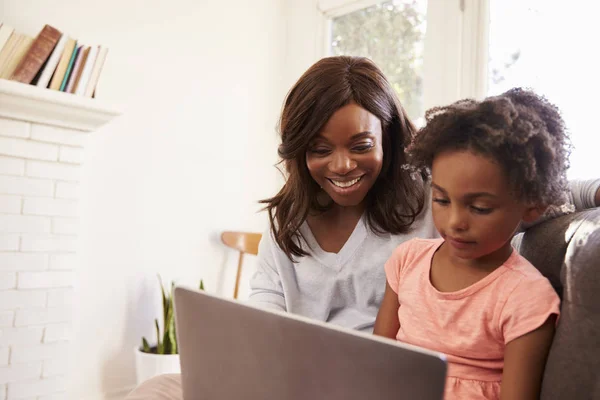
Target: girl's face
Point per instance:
(473, 207)
(345, 158)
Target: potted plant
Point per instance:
(162, 358)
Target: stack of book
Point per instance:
(50, 60)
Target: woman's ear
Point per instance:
(533, 212)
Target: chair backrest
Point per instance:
(245, 243)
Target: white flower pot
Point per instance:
(149, 365)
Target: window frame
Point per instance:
(456, 45)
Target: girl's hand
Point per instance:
(524, 363)
(387, 323)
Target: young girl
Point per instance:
(469, 295)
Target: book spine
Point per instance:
(76, 51)
(37, 55)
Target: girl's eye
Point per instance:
(442, 202)
(481, 210)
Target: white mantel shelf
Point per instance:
(31, 103)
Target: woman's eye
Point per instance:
(442, 202)
(319, 151)
(363, 147)
(481, 210)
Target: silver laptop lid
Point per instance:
(230, 350)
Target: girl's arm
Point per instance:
(524, 363)
(387, 323)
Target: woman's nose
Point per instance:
(342, 163)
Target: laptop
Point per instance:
(230, 350)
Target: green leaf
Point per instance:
(165, 299)
(145, 346)
(201, 284)
(159, 344)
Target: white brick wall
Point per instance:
(63, 261)
(57, 396)
(67, 190)
(57, 333)
(73, 155)
(9, 242)
(20, 372)
(10, 204)
(13, 299)
(45, 279)
(51, 134)
(23, 390)
(60, 298)
(6, 318)
(23, 261)
(65, 226)
(24, 224)
(8, 280)
(14, 336)
(4, 356)
(42, 316)
(48, 244)
(12, 166)
(14, 128)
(54, 367)
(39, 184)
(26, 186)
(37, 352)
(50, 207)
(28, 149)
(49, 170)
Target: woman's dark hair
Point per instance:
(519, 129)
(394, 201)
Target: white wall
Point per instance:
(200, 84)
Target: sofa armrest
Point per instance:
(567, 251)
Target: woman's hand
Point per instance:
(387, 323)
(524, 363)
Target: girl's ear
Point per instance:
(533, 213)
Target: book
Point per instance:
(95, 75)
(22, 45)
(76, 71)
(63, 64)
(5, 32)
(76, 51)
(52, 62)
(86, 71)
(37, 55)
(7, 50)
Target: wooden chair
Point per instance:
(245, 243)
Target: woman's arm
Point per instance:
(266, 286)
(524, 363)
(584, 194)
(387, 323)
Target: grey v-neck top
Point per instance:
(346, 288)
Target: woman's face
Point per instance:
(346, 157)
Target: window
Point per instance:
(549, 47)
(392, 34)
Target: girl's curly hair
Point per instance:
(519, 129)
